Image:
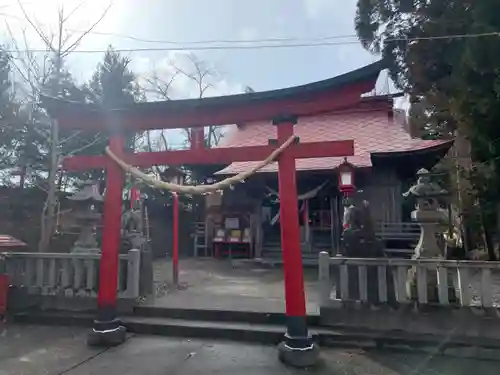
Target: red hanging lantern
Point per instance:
(346, 177)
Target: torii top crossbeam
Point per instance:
(324, 96)
(279, 107)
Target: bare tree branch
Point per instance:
(150, 149)
(159, 86)
(76, 43)
(203, 77)
(35, 74)
(35, 27)
(71, 13)
(98, 138)
(74, 135)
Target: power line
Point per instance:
(199, 48)
(163, 41)
(262, 46)
(269, 43)
(457, 36)
(242, 41)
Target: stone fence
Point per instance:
(427, 296)
(66, 281)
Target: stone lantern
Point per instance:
(174, 175)
(427, 214)
(430, 217)
(87, 217)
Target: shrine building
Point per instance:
(386, 158)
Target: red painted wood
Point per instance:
(197, 138)
(230, 114)
(108, 271)
(212, 156)
(4, 290)
(323, 149)
(295, 301)
(87, 162)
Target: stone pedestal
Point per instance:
(430, 218)
(300, 358)
(86, 242)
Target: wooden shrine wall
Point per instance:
(383, 191)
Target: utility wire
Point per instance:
(236, 41)
(163, 41)
(266, 43)
(262, 46)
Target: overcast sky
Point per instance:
(203, 20)
(185, 21)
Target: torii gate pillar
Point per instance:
(298, 348)
(107, 329)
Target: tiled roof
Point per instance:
(372, 132)
(9, 241)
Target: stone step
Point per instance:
(252, 317)
(278, 253)
(278, 261)
(340, 336)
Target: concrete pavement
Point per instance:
(41, 350)
(35, 350)
(238, 285)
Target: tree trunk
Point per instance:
(48, 216)
(461, 152)
(488, 224)
(22, 176)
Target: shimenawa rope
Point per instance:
(200, 189)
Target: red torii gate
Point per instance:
(282, 107)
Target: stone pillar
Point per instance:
(430, 218)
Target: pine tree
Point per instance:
(455, 78)
(7, 114)
(113, 84)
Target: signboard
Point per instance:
(232, 223)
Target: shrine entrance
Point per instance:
(281, 108)
(320, 219)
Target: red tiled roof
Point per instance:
(9, 241)
(372, 132)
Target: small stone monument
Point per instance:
(134, 238)
(87, 216)
(430, 217)
(132, 229)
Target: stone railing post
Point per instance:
(324, 277)
(133, 273)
